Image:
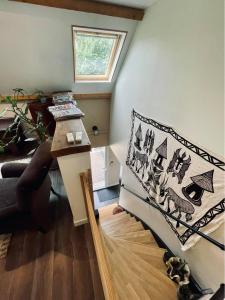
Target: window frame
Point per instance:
(114, 55)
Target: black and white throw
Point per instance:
(180, 177)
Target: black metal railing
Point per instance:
(148, 200)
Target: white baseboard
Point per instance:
(80, 222)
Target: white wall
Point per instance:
(97, 113)
(174, 73)
(36, 47)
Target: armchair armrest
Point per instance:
(40, 205)
(13, 169)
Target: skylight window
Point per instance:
(96, 53)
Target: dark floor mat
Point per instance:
(109, 193)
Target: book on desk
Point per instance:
(65, 111)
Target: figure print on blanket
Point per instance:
(181, 178)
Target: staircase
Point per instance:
(134, 258)
(130, 262)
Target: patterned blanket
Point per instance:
(180, 177)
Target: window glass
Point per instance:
(93, 54)
(96, 52)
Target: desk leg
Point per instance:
(71, 166)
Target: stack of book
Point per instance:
(63, 98)
(65, 111)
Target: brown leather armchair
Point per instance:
(25, 191)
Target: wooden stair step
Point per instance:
(119, 227)
(137, 236)
(103, 218)
(142, 240)
(133, 290)
(122, 292)
(124, 278)
(149, 273)
(112, 218)
(106, 211)
(133, 243)
(115, 218)
(123, 229)
(134, 259)
(125, 292)
(142, 237)
(152, 255)
(144, 249)
(119, 223)
(157, 285)
(115, 239)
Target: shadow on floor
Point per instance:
(34, 244)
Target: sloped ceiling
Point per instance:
(132, 3)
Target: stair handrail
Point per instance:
(149, 201)
(106, 279)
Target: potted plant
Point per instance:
(40, 96)
(14, 135)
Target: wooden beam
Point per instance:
(91, 6)
(21, 98)
(95, 96)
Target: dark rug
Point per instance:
(109, 193)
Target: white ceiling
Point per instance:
(132, 3)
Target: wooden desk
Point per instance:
(73, 159)
(60, 146)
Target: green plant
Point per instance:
(39, 93)
(13, 133)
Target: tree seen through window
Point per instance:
(93, 54)
(96, 52)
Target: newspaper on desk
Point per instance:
(65, 111)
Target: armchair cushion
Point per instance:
(10, 170)
(8, 196)
(34, 175)
(37, 169)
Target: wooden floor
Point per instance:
(59, 265)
